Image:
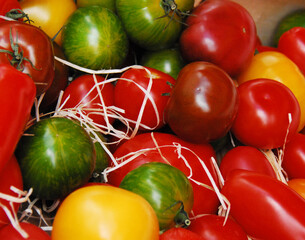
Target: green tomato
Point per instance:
(93, 37)
(56, 156)
(110, 4)
(166, 188)
(153, 24)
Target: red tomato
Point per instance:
(221, 32)
(205, 200)
(179, 234)
(203, 103)
(10, 175)
(217, 228)
(129, 96)
(293, 161)
(7, 6)
(30, 51)
(84, 91)
(33, 231)
(292, 44)
(265, 207)
(17, 94)
(248, 158)
(262, 119)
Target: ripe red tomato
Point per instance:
(262, 119)
(202, 104)
(129, 96)
(221, 32)
(248, 158)
(84, 91)
(265, 207)
(217, 228)
(168, 151)
(179, 234)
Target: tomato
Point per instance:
(298, 185)
(160, 22)
(139, 86)
(248, 158)
(49, 15)
(165, 147)
(21, 45)
(209, 24)
(292, 43)
(263, 120)
(105, 213)
(34, 232)
(93, 37)
(265, 207)
(105, 3)
(202, 104)
(16, 100)
(56, 156)
(169, 61)
(216, 227)
(293, 160)
(166, 188)
(10, 175)
(276, 66)
(179, 234)
(8, 9)
(89, 94)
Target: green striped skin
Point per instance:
(93, 37)
(56, 156)
(164, 187)
(143, 25)
(110, 4)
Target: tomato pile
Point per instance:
(146, 120)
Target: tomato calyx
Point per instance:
(181, 219)
(18, 14)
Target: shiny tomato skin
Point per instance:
(262, 119)
(205, 200)
(36, 47)
(209, 24)
(179, 234)
(293, 161)
(265, 207)
(77, 94)
(34, 232)
(129, 96)
(248, 158)
(212, 226)
(202, 104)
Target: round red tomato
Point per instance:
(202, 104)
(164, 147)
(262, 119)
(92, 95)
(221, 32)
(132, 88)
(179, 234)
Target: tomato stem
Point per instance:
(18, 14)
(181, 219)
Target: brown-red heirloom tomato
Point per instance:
(29, 50)
(202, 104)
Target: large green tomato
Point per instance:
(56, 156)
(93, 37)
(153, 24)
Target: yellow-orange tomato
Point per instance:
(276, 66)
(103, 212)
(50, 15)
(298, 185)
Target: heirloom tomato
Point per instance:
(93, 37)
(153, 24)
(49, 15)
(222, 32)
(168, 148)
(104, 212)
(29, 50)
(166, 188)
(265, 207)
(276, 66)
(203, 103)
(143, 87)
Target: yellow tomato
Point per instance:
(103, 212)
(298, 184)
(50, 15)
(276, 66)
